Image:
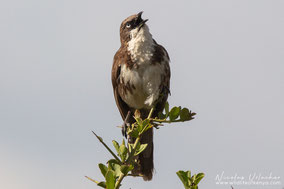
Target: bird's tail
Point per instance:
(145, 159)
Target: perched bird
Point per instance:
(141, 80)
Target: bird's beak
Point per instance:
(140, 21)
(139, 15)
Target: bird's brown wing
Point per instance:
(115, 77)
(161, 55)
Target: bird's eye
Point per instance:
(128, 25)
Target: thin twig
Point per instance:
(92, 179)
(151, 112)
(112, 153)
(120, 178)
(134, 175)
(169, 121)
(127, 116)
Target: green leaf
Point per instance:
(185, 115)
(188, 174)
(123, 151)
(183, 177)
(116, 168)
(192, 113)
(116, 146)
(111, 164)
(141, 149)
(139, 128)
(167, 108)
(113, 161)
(134, 133)
(130, 147)
(198, 178)
(145, 122)
(103, 169)
(161, 115)
(174, 113)
(126, 168)
(193, 178)
(110, 179)
(102, 184)
(190, 180)
(138, 120)
(146, 125)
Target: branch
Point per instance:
(119, 180)
(120, 167)
(110, 151)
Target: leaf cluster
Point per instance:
(121, 165)
(190, 182)
(124, 161)
(176, 114)
(139, 127)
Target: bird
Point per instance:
(141, 81)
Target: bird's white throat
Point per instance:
(141, 45)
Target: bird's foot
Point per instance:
(125, 125)
(124, 129)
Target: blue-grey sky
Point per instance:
(227, 62)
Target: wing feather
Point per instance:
(121, 105)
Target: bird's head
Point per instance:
(131, 26)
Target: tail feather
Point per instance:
(145, 161)
(146, 157)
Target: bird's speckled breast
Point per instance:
(143, 80)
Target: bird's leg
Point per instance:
(125, 124)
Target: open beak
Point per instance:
(140, 21)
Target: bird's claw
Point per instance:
(125, 125)
(124, 129)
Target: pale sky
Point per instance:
(227, 63)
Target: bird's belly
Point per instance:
(142, 85)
